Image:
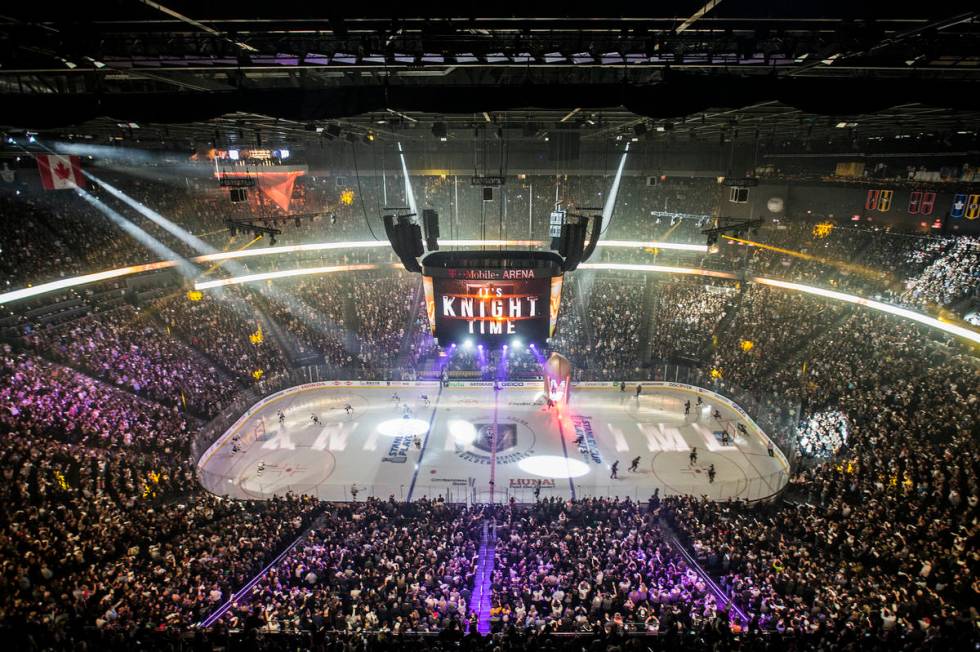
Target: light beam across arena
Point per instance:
(181, 234)
(408, 183)
(905, 313)
(663, 269)
(295, 304)
(138, 234)
(85, 279)
(607, 209)
(634, 244)
(284, 273)
(848, 267)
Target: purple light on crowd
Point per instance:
(537, 354)
(443, 361)
(502, 364)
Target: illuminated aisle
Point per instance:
(480, 600)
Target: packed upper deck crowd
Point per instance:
(54, 235)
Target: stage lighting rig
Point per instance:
(735, 226)
(405, 237)
(257, 230)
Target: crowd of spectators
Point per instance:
(375, 565)
(953, 273)
(768, 328)
(884, 549)
(47, 398)
(225, 327)
(922, 271)
(596, 563)
(615, 316)
(104, 528)
(313, 314)
(822, 434)
(383, 308)
(684, 318)
(102, 522)
(124, 348)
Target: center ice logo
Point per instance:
(506, 436)
(510, 447)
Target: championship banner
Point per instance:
(871, 203)
(959, 206)
(885, 201)
(927, 204)
(915, 197)
(972, 207)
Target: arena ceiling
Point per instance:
(723, 69)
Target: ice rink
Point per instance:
(420, 439)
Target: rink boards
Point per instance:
(468, 442)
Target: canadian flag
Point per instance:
(59, 172)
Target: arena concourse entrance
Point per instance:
(470, 442)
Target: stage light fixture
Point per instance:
(233, 154)
(440, 131)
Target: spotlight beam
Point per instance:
(408, 184)
(850, 267)
(296, 305)
(613, 192)
(183, 235)
(183, 265)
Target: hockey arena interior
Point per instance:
(473, 330)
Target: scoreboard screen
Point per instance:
(493, 306)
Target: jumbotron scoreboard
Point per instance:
(492, 297)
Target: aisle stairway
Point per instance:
(482, 591)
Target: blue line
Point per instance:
(425, 444)
(564, 450)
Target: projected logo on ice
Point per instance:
(475, 441)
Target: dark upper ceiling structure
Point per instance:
(690, 69)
